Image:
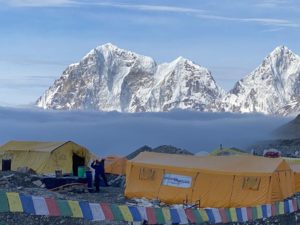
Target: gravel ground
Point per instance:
(21, 218)
(23, 183)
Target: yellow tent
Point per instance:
(223, 181)
(115, 165)
(45, 157)
(296, 169)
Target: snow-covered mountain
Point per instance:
(112, 79)
(109, 78)
(272, 88)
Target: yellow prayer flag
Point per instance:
(126, 213)
(281, 208)
(259, 212)
(75, 208)
(166, 213)
(14, 202)
(203, 214)
(233, 215)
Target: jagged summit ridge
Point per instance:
(272, 88)
(109, 78)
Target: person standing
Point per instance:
(97, 167)
(102, 172)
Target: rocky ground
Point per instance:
(26, 183)
(288, 147)
(286, 139)
(160, 149)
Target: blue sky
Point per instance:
(39, 38)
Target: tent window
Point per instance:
(146, 174)
(251, 183)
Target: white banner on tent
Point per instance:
(176, 180)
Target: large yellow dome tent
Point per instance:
(223, 181)
(45, 157)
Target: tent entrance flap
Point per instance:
(77, 161)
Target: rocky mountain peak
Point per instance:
(280, 58)
(270, 88)
(109, 78)
(109, 51)
(280, 51)
(108, 46)
(181, 59)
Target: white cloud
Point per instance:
(270, 21)
(262, 21)
(271, 3)
(39, 3)
(31, 61)
(274, 29)
(200, 13)
(204, 14)
(279, 5)
(157, 8)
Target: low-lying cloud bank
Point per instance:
(115, 133)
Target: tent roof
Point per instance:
(239, 164)
(33, 146)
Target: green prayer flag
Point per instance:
(4, 206)
(159, 216)
(117, 214)
(64, 208)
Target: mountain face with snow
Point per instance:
(112, 79)
(272, 88)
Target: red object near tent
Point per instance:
(272, 154)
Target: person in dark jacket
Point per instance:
(98, 166)
(102, 172)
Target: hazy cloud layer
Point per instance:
(115, 133)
